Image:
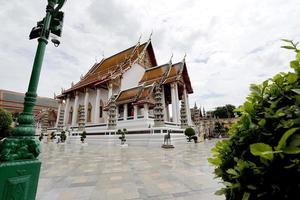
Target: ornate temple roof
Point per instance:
(140, 94)
(168, 73)
(112, 67)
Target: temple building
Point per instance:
(13, 102)
(129, 90)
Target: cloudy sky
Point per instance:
(229, 44)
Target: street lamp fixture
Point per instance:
(19, 166)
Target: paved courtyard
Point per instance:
(95, 172)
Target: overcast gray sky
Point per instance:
(229, 44)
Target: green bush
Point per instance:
(53, 135)
(83, 136)
(5, 122)
(41, 137)
(189, 133)
(63, 136)
(261, 159)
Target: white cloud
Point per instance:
(229, 44)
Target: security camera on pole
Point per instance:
(19, 166)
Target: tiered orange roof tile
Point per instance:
(136, 94)
(113, 66)
(167, 73)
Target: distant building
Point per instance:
(13, 102)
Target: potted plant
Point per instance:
(122, 137)
(83, 136)
(41, 137)
(52, 136)
(63, 136)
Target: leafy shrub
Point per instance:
(53, 135)
(261, 159)
(5, 122)
(83, 136)
(122, 137)
(41, 137)
(189, 133)
(63, 136)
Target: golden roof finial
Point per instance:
(183, 60)
(150, 36)
(170, 61)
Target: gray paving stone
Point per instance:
(97, 172)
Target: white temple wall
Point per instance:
(132, 77)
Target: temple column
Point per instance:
(97, 107)
(174, 107)
(135, 111)
(66, 115)
(164, 104)
(58, 112)
(168, 112)
(177, 103)
(75, 110)
(117, 112)
(125, 111)
(146, 111)
(86, 104)
(110, 90)
(188, 111)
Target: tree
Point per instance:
(5, 122)
(261, 159)
(226, 111)
(189, 133)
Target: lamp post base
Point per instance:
(19, 179)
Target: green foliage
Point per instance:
(5, 122)
(189, 133)
(261, 159)
(41, 137)
(122, 137)
(83, 136)
(63, 136)
(226, 111)
(53, 135)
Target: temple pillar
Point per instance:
(66, 115)
(146, 111)
(135, 112)
(110, 90)
(58, 112)
(174, 102)
(125, 111)
(168, 112)
(188, 111)
(164, 104)
(177, 103)
(86, 104)
(75, 109)
(190, 122)
(97, 106)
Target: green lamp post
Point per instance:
(19, 166)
